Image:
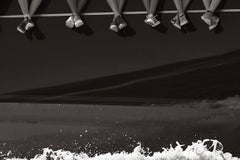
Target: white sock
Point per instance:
(149, 15)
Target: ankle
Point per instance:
(150, 15)
(180, 14)
(74, 14)
(27, 16)
(210, 11)
(116, 15)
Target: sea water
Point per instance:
(201, 150)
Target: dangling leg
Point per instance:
(185, 4)
(121, 4)
(26, 23)
(77, 19)
(207, 4)
(214, 5)
(34, 6)
(153, 6)
(147, 5)
(209, 17)
(206, 17)
(120, 21)
(214, 19)
(114, 6)
(179, 6)
(73, 6)
(24, 7)
(180, 13)
(151, 17)
(81, 4)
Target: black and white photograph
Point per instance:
(119, 80)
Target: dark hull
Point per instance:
(53, 55)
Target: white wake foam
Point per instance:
(200, 150)
(228, 103)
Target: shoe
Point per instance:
(211, 19)
(29, 24)
(78, 22)
(176, 22)
(21, 27)
(214, 22)
(114, 26)
(121, 22)
(25, 25)
(206, 17)
(183, 20)
(152, 20)
(70, 22)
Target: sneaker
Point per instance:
(21, 27)
(78, 22)
(183, 20)
(114, 26)
(26, 24)
(214, 22)
(121, 22)
(70, 22)
(176, 22)
(152, 20)
(206, 17)
(29, 24)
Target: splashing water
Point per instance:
(201, 150)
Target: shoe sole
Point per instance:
(79, 24)
(20, 30)
(214, 26)
(175, 25)
(206, 21)
(114, 28)
(121, 26)
(69, 25)
(156, 24)
(184, 23)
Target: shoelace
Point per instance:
(153, 18)
(175, 19)
(182, 16)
